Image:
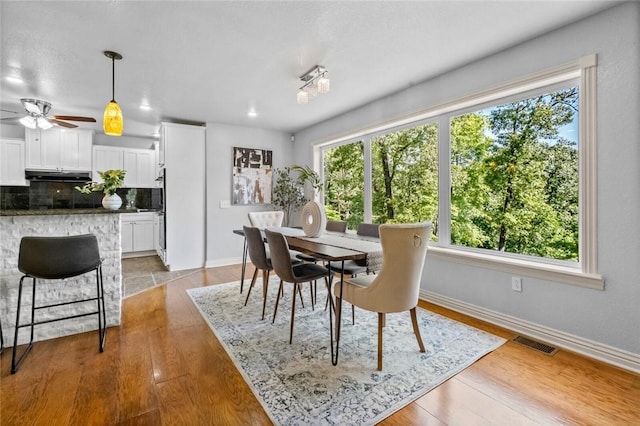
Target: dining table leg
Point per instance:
(244, 264)
(338, 314)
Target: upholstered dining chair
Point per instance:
(266, 219)
(396, 287)
(288, 272)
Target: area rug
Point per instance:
(297, 384)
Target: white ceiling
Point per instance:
(213, 61)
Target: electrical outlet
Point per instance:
(516, 283)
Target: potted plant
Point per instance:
(288, 194)
(111, 180)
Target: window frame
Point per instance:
(582, 273)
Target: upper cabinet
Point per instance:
(12, 162)
(58, 149)
(140, 165)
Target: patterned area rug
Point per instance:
(297, 384)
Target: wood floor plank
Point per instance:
(163, 365)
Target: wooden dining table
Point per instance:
(329, 253)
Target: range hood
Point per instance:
(57, 176)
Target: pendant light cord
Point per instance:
(113, 79)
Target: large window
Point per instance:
(506, 176)
(514, 176)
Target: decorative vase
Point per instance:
(111, 202)
(314, 219)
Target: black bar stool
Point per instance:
(58, 258)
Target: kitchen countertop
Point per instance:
(51, 212)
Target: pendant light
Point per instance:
(113, 121)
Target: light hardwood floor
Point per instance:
(163, 366)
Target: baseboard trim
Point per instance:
(223, 262)
(589, 348)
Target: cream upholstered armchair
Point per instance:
(266, 219)
(396, 287)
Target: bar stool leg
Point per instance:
(15, 364)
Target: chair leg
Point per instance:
(15, 364)
(313, 299)
(253, 281)
(416, 329)
(300, 294)
(265, 290)
(275, 311)
(293, 310)
(381, 321)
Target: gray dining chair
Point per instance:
(288, 272)
(261, 260)
(396, 288)
(355, 267)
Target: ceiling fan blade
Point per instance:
(75, 118)
(62, 123)
(11, 119)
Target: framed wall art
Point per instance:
(251, 176)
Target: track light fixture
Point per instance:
(315, 81)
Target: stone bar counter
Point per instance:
(15, 224)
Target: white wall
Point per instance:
(224, 247)
(610, 317)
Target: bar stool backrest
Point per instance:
(336, 226)
(58, 257)
(369, 230)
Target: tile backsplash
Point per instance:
(62, 195)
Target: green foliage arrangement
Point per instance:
(111, 180)
(288, 190)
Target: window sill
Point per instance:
(563, 274)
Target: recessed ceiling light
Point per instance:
(145, 107)
(252, 114)
(14, 79)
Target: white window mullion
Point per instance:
(444, 181)
(368, 180)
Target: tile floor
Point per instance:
(141, 273)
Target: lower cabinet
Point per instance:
(137, 232)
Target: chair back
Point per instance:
(369, 230)
(404, 249)
(266, 219)
(280, 256)
(58, 257)
(257, 251)
(336, 226)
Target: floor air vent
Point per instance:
(542, 347)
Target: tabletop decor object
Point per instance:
(111, 181)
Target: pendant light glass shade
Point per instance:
(113, 122)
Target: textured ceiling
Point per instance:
(214, 61)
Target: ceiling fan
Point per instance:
(36, 117)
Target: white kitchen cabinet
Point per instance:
(141, 168)
(184, 150)
(140, 165)
(137, 232)
(106, 158)
(58, 149)
(12, 162)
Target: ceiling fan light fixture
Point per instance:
(43, 123)
(113, 122)
(28, 121)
